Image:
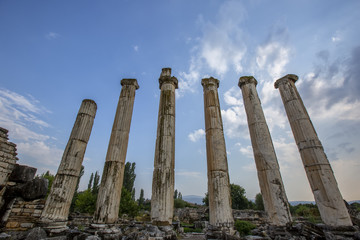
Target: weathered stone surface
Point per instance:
(220, 212)
(35, 189)
(162, 200)
(22, 174)
(108, 201)
(320, 175)
(270, 181)
(58, 202)
(36, 234)
(7, 157)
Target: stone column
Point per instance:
(270, 181)
(220, 212)
(108, 201)
(320, 175)
(58, 202)
(162, 199)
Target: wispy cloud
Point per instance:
(219, 48)
(234, 117)
(136, 48)
(196, 135)
(52, 35)
(21, 115)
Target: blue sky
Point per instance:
(54, 54)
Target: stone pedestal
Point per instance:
(162, 199)
(58, 202)
(320, 175)
(108, 201)
(220, 212)
(271, 185)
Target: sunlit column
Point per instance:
(58, 202)
(162, 199)
(220, 212)
(108, 201)
(320, 175)
(270, 181)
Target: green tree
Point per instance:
(238, 198)
(205, 200)
(50, 178)
(90, 181)
(129, 176)
(85, 202)
(127, 204)
(72, 206)
(95, 187)
(259, 203)
(141, 199)
(175, 194)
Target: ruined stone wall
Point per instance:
(23, 215)
(7, 157)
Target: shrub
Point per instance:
(244, 227)
(188, 230)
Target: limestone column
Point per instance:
(270, 181)
(320, 175)
(220, 212)
(162, 199)
(63, 188)
(108, 201)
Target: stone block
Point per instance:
(27, 225)
(22, 173)
(37, 188)
(36, 233)
(12, 224)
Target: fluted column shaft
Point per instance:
(270, 181)
(162, 200)
(320, 175)
(108, 201)
(220, 212)
(58, 202)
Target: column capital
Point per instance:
(129, 81)
(289, 77)
(210, 81)
(246, 80)
(165, 77)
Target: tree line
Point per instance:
(85, 201)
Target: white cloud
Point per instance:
(41, 152)
(188, 173)
(21, 115)
(275, 117)
(136, 48)
(247, 151)
(52, 35)
(234, 118)
(273, 57)
(220, 47)
(196, 135)
(344, 109)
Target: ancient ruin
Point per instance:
(108, 201)
(162, 199)
(270, 181)
(56, 211)
(220, 213)
(24, 213)
(320, 175)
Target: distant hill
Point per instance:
(198, 200)
(193, 199)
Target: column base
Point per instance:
(54, 227)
